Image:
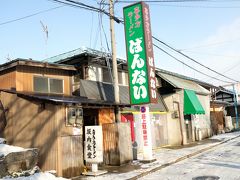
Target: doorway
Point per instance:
(188, 125)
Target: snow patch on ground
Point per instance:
(37, 176)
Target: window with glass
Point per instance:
(40, 84)
(106, 75)
(47, 85)
(120, 77)
(56, 86)
(74, 117)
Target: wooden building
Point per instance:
(37, 109)
(95, 81)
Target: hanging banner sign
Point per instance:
(93, 150)
(141, 68)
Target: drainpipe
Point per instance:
(235, 106)
(214, 128)
(180, 120)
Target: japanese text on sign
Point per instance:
(142, 83)
(93, 144)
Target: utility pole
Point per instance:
(114, 60)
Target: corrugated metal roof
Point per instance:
(101, 91)
(178, 82)
(104, 91)
(61, 58)
(27, 62)
(77, 52)
(184, 77)
(62, 99)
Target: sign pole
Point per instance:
(147, 135)
(94, 167)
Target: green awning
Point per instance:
(192, 104)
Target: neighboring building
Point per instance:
(224, 95)
(218, 116)
(189, 108)
(37, 109)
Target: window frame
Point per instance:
(67, 117)
(48, 84)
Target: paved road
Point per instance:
(222, 161)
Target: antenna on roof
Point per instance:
(45, 30)
(8, 58)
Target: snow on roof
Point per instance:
(37, 176)
(6, 149)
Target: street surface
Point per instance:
(222, 161)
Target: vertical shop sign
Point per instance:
(141, 68)
(93, 144)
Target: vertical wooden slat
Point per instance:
(72, 156)
(110, 145)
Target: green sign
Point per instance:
(141, 69)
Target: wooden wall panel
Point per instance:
(110, 144)
(61, 120)
(30, 126)
(8, 80)
(24, 78)
(72, 156)
(106, 116)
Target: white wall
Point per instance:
(173, 123)
(94, 73)
(158, 130)
(203, 121)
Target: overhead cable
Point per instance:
(193, 59)
(189, 65)
(28, 16)
(88, 7)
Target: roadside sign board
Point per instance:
(93, 144)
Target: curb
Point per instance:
(180, 159)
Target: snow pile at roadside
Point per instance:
(2, 141)
(6, 149)
(37, 176)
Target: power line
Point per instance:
(74, 5)
(231, 68)
(192, 59)
(31, 15)
(211, 54)
(164, 1)
(88, 7)
(178, 1)
(189, 65)
(208, 45)
(199, 6)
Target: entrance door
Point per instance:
(188, 125)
